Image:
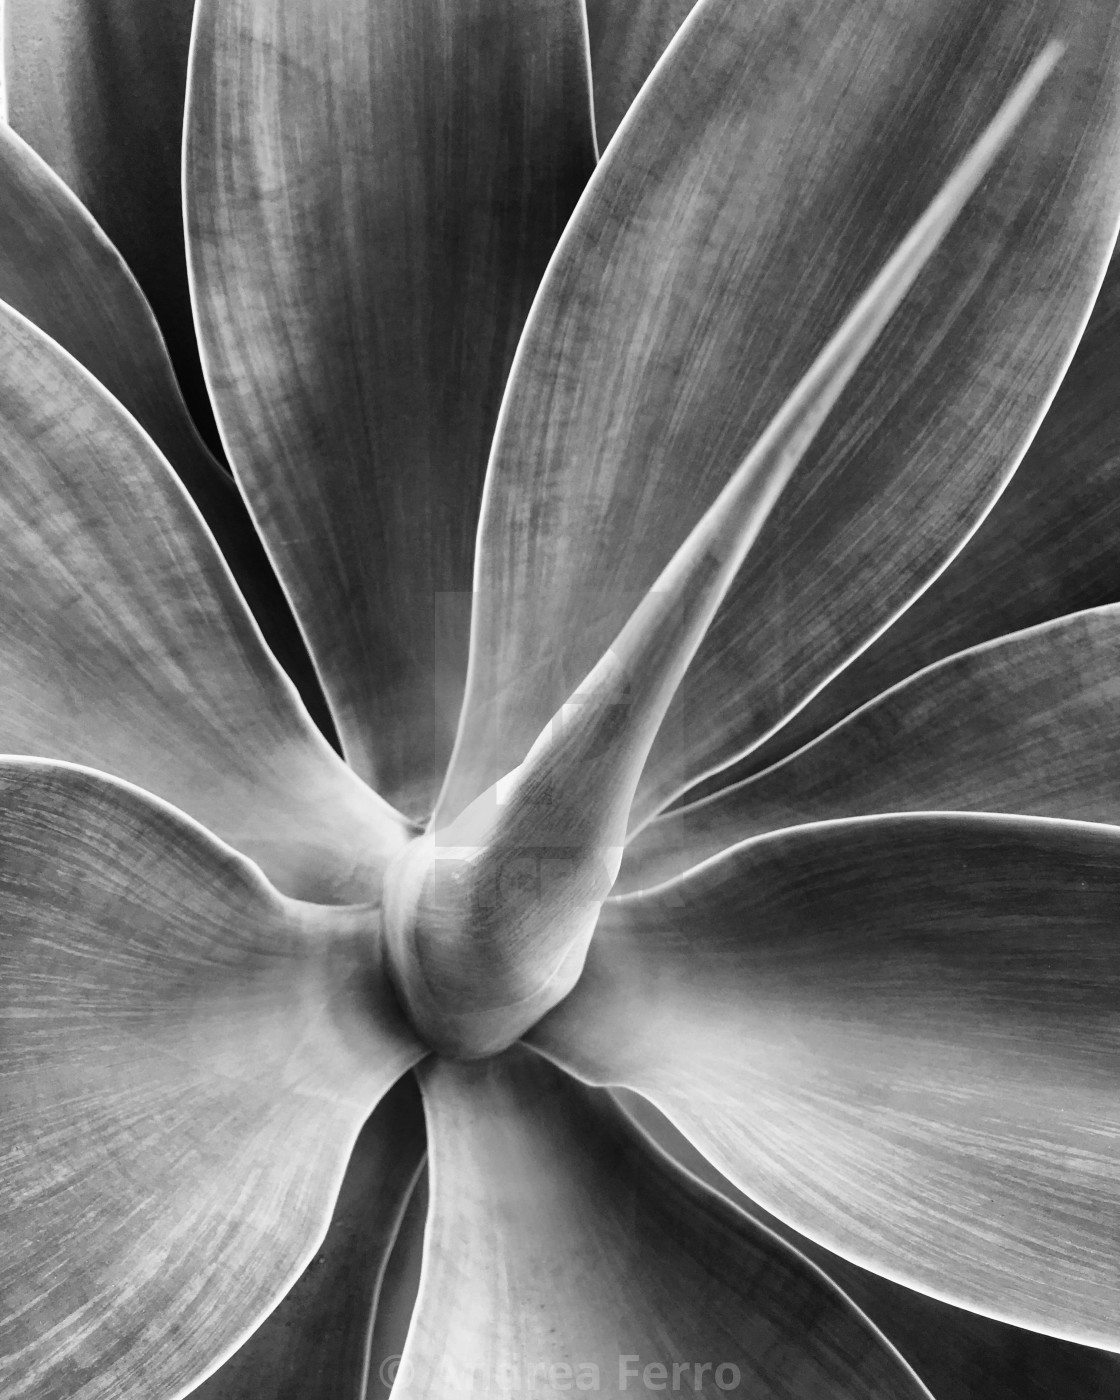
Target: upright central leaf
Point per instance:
(373, 190)
(771, 165)
(488, 918)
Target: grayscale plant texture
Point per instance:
(560, 699)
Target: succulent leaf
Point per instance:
(1028, 724)
(563, 1249)
(60, 271)
(771, 164)
(187, 1058)
(373, 191)
(97, 88)
(958, 1354)
(466, 937)
(125, 645)
(316, 1344)
(898, 1034)
(897, 1031)
(1048, 547)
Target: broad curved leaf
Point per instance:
(373, 193)
(58, 269)
(124, 644)
(959, 1354)
(315, 1344)
(187, 1058)
(97, 87)
(1029, 724)
(564, 1252)
(899, 1035)
(1048, 547)
(770, 167)
(626, 41)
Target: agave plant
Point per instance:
(521, 650)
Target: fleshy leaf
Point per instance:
(315, 1345)
(1048, 547)
(959, 1354)
(762, 179)
(1029, 724)
(564, 1252)
(461, 930)
(899, 1035)
(58, 269)
(187, 1058)
(373, 192)
(124, 644)
(97, 88)
(626, 41)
